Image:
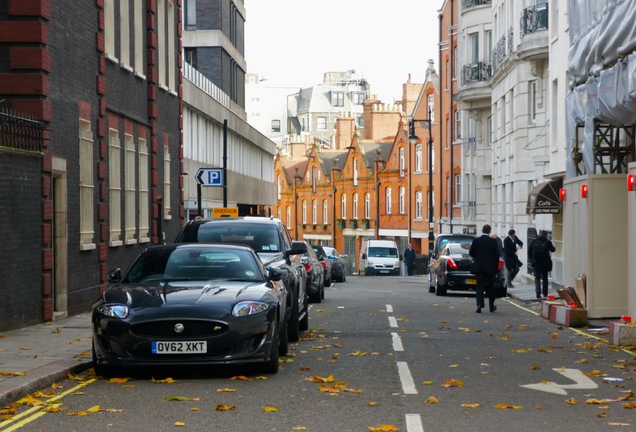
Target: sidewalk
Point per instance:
(34, 357)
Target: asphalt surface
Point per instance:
(35, 357)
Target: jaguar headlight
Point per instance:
(114, 310)
(246, 308)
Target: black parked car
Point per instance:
(191, 305)
(452, 270)
(338, 264)
(274, 246)
(325, 262)
(440, 241)
(315, 276)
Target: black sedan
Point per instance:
(325, 262)
(191, 304)
(315, 275)
(338, 264)
(452, 270)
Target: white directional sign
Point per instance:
(582, 383)
(209, 177)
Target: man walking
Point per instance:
(511, 245)
(409, 259)
(485, 255)
(539, 254)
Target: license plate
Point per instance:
(384, 271)
(192, 347)
(471, 281)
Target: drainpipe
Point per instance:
(452, 120)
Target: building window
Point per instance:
(279, 187)
(161, 42)
(124, 33)
(130, 183)
(114, 187)
(86, 186)
(360, 121)
(337, 99)
(304, 215)
(314, 212)
(388, 200)
(418, 205)
(402, 200)
(458, 125)
(355, 206)
(190, 14)
(139, 37)
(325, 212)
(401, 161)
(144, 192)
(358, 97)
(321, 123)
(109, 29)
(288, 215)
(343, 206)
(367, 206)
(355, 172)
(458, 188)
(418, 158)
(533, 101)
(275, 125)
(431, 107)
(166, 184)
(191, 57)
(172, 50)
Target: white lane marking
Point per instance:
(397, 342)
(408, 386)
(393, 322)
(582, 382)
(389, 309)
(414, 423)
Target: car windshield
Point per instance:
(444, 241)
(383, 252)
(456, 249)
(193, 264)
(260, 237)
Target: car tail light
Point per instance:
(308, 267)
(451, 264)
(500, 265)
(324, 264)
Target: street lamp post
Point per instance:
(414, 139)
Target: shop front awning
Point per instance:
(544, 198)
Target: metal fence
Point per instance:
(20, 131)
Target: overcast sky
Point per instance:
(292, 43)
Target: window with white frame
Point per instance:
(172, 50)
(114, 187)
(139, 37)
(431, 107)
(418, 158)
(314, 212)
(402, 162)
(337, 99)
(402, 198)
(355, 172)
(275, 125)
(190, 14)
(418, 205)
(533, 101)
(304, 215)
(388, 200)
(279, 187)
(166, 183)
(86, 186)
(367, 206)
(124, 33)
(343, 206)
(357, 97)
(144, 192)
(321, 123)
(130, 184)
(162, 42)
(458, 188)
(288, 216)
(355, 206)
(325, 212)
(458, 125)
(109, 29)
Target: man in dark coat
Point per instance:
(485, 255)
(511, 245)
(409, 259)
(539, 254)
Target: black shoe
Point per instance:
(538, 295)
(478, 310)
(493, 308)
(510, 285)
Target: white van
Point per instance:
(379, 257)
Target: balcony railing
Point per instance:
(466, 4)
(480, 71)
(533, 18)
(21, 132)
(502, 49)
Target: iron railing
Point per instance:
(533, 18)
(466, 4)
(20, 131)
(474, 72)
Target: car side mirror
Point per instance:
(114, 276)
(274, 273)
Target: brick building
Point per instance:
(101, 81)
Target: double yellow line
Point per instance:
(36, 412)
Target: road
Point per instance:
(382, 354)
